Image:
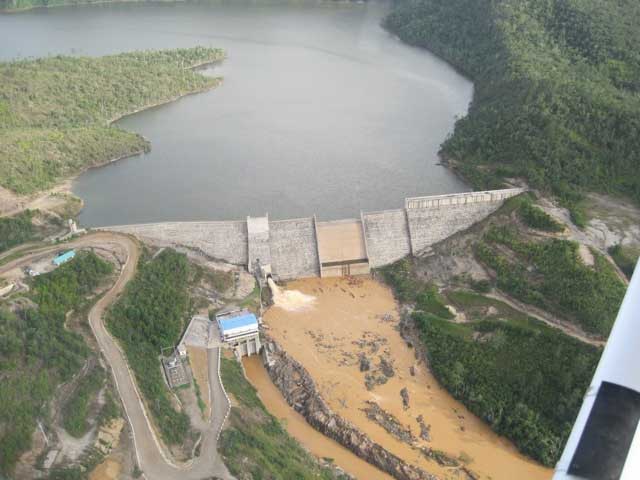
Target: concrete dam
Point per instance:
(307, 247)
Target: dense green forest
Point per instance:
(256, 445)
(527, 382)
(149, 316)
(16, 230)
(55, 112)
(552, 275)
(557, 88)
(37, 352)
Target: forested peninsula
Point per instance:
(557, 89)
(56, 112)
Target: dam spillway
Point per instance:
(307, 247)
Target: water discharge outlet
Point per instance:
(290, 300)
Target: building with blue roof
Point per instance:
(240, 331)
(64, 258)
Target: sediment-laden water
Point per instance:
(357, 318)
(314, 441)
(321, 110)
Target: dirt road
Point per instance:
(152, 460)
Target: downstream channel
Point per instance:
(321, 110)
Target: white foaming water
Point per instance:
(290, 300)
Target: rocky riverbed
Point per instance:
(301, 393)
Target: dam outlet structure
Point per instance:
(307, 247)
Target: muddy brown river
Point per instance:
(298, 428)
(354, 316)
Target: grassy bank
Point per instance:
(150, 315)
(557, 85)
(37, 352)
(55, 113)
(255, 445)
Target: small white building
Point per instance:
(239, 330)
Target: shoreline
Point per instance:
(12, 203)
(217, 82)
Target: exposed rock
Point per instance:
(440, 457)
(425, 430)
(471, 475)
(412, 370)
(109, 435)
(390, 423)
(386, 367)
(372, 379)
(387, 317)
(404, 393)
(300, 391)
(365, 364)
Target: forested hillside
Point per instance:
(557, 88)
(524, 379)
(148, 317)
(527, 382)
(55, 112)
(37, 351)
(551, 274)
(16, 230)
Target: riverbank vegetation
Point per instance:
(524, 378)
(55, 112)
(37, 351)
(526, 381)
(556, 89)
(256, 445)
(148, 317)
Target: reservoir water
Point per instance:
(321, 111)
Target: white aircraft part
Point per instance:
(620, 365)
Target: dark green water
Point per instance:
(321, 110)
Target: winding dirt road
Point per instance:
(150, 454)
